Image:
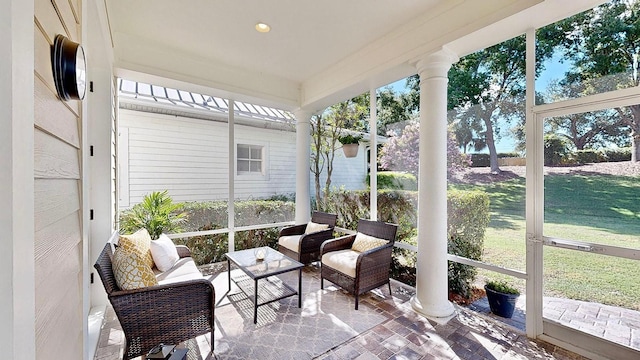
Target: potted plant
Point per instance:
(502, 298)
(350, 144)
(157, 213)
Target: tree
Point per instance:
(584, 130)
(401, 152)
(486, 90)
(393, 109)
(325, 131)
(603, 44)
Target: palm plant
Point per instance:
(157, 213)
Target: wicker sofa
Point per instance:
(179, 308)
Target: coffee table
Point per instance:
(270, 288)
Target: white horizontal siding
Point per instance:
(347, 172)
(188, 157)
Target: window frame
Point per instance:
(252, 175)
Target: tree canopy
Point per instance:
(603, 45)
(401, 152)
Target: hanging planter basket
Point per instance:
(350, 150)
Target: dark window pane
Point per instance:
(243, 165)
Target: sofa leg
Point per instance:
(321, 283)
(390, 293)
(356, 301)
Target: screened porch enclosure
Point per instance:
(251, 165)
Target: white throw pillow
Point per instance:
(164, 253)
(315, 227)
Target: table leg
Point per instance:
(255, 302)
(300, 287)
(229, 272)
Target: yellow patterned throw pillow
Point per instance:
(130, 271)
(138, 243)
(364, 242)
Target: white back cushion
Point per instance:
(164, 253)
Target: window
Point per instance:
(250, 159)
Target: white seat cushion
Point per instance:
(183, 270)
(342, 260)
(290, 242)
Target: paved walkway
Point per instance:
(615, 324)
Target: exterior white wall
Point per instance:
(188, 157)
(58, 242)
(348, 172)
(17, 268)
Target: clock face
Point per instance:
(81, 72)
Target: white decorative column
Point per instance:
(303, 165)
(431, 297)
(373, 153)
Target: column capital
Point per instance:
(302, 115)
(436, 64)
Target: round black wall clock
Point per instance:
(69, 68)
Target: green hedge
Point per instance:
(468, 216)
(211, 215)
(589, 156)
(480, 160)
(395, 180)
(484, 160)
(617, 154)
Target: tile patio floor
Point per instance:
(402, 334)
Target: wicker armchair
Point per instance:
(168, 314)
(371, 266)
(308, 246)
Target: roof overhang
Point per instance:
(316, 55)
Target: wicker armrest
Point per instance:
(341, 243)
(379, 257)
(183, 251)
(314, 240)
(293, 230)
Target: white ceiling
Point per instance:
(317, 53)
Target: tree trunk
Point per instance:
(317, 183)
(493, 155)
(635, 133)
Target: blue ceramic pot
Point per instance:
(501, 304)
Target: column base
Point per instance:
(440, 315)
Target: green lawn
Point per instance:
(602, 209)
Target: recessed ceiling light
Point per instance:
(263, 28)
